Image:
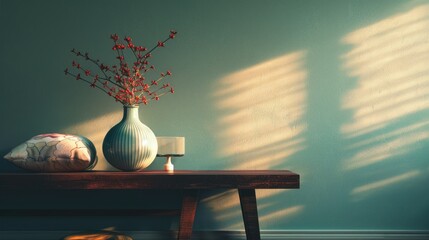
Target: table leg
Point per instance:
(187, 215)
(250, 213)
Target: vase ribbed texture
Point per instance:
(130, 145)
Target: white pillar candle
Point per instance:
(171, 146)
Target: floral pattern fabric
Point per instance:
(54, 152)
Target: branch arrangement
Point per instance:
(128, 84)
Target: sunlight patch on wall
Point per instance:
(385, 182)
(282, 215)
(382, 147)
(226, 205)
(95, 130)
(389, 104)
(228, 198)
(261, 125)
(263, 108)
(389, 60)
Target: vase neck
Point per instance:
(130, 112)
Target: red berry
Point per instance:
(114, 37)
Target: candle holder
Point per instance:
(170, 147)
(168, 166)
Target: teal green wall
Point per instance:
(337, 91)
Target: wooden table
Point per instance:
(191, 182)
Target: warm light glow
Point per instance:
(385, 182)
(382, 147)
(389, 102)
(263, 108)
(393, 28)
(389, 60)
(261, 125)
(273, 217)
(95, 130)
(226, 205)
(282, 215)
(228, 199)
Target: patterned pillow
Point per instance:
(54, 152)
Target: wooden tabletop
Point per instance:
(190, 181)
(179, 179)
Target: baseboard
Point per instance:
(346, 235)
(238, 235)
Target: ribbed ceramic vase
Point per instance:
(130, 145)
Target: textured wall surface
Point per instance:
(337, 91)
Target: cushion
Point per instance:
(98, 235)
(54, 152)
